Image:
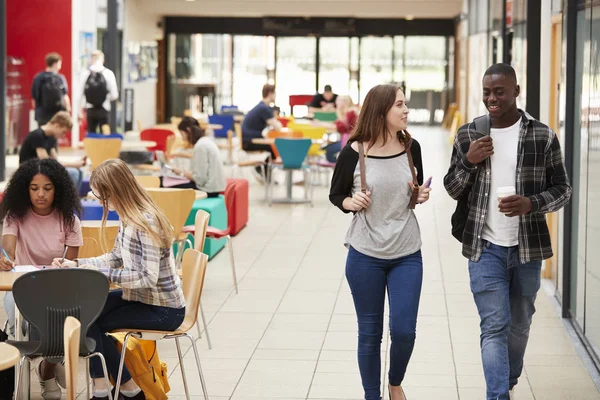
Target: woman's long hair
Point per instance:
(114, 181)
(372, 120)
(16, 202)
(192, 128)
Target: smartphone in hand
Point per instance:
(428, 182)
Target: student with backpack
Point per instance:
(506, 174)
(39, 210)
(49, 90)
(141, 263)
(99, 88)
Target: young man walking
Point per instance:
(512, 175)
(49, 90)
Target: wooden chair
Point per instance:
(71, 342)
(148, 181)
(100, 149)
(194, 271)
(176, 204)
(92, 246)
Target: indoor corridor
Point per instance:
(291, 331)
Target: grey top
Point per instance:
(387, 229)
(207, 167)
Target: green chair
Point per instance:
(325, 116)
(215, 206)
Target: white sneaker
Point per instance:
(511, 394)
(59, 373)
(49, 388)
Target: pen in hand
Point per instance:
(64, 255)
(7, 257)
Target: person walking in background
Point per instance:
(511, 175)
(323, 101)
(384, 240)
(98, 89)
(49, 90)
(256, 120)
(43, 143)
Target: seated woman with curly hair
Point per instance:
(39, 210)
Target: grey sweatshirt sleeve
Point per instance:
(200, 165)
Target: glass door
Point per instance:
(295, 70)
(251, 60)
(334, 64)
(375, 63)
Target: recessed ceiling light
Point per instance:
(408, 17)
(190, 0)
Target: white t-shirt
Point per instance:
(500, 229)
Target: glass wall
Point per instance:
(334, 64)
(295, 68)
(254, 57)
(375, 63)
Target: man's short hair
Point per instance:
(328, 88)
(52, 58)
(501, 69)
(97, 55)
(267, 90)
(62, 119)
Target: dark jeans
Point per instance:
(96, 117)
(504, 291)
(369, 277)
(249, 146)
(123, 314)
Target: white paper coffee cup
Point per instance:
(505, 191)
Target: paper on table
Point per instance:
(25, 268)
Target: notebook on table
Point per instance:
(169, 177)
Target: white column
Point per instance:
(545, 53)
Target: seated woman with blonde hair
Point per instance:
(347, 115)
(141, 264)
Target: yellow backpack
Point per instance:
(145, 367)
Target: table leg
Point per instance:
(25, 378)
(289, 183)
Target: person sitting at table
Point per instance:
(347, 115)
(39, 210)
(323, 101)
(141, 263)
(255, 122)
(205, 171)
(43, 143)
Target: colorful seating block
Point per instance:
(92, 211)
(215, 206)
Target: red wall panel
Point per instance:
(35, 28)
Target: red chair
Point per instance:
(299, 100)
(159, 136)
(214, 233)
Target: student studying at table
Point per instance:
(141, 263)
(39, 210)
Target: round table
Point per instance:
(129, 145)
(9, 356)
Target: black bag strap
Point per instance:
(482, 124)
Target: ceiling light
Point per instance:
(408, 17)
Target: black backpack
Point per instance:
(461, 213)
(96, 89)
(52, 92)
(7, 377)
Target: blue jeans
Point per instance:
(504, 291)
(369, 278)
(121, 314)
(76, 176)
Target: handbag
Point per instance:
(414, 184)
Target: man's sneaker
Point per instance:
(511, 394)
(49, 388)
(59, 373)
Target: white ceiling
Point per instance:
(306, 8)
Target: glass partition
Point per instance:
(375, 63)
(334, 64)
(251, 60)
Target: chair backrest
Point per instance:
(148, 181)
(193, 272)
(300, 99)
(225, 120)
(90, 248)
(67, 292)
(171, 140)
(200, 225)
(229, 108)
(72, 333)
(326, 116)
(176, 204)
(285, 134)
(312, 132)
(99, 150)
(292, 151)
(158, 135)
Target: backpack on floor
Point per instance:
(145, 367)
(7, 377)
(52, 92)
(96, 88)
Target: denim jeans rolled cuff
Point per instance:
(369, 279)
(504, 291)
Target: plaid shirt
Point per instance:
(541, 177)
(145, 271)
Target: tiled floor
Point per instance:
(291, 332)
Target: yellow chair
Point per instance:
(311, 132)
(148, 181)
(99, 150)
(457, 121)
(71, 339)
(194, 271)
